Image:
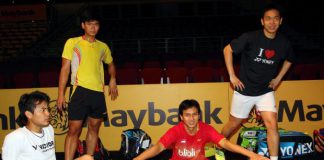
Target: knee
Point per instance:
(271, 125)
(74, 131)
(93, 127)
(234, 122)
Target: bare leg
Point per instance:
(71, 140)
(270, 121)
(231, 126)
(92, 135)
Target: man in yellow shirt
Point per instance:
(84, 56)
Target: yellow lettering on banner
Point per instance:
(153, 108)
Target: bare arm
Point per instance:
(151, 152)
(113, 91)
(275, 82)
(238, 149)
(64, 76)
(228, 56)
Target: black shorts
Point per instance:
(87, 103)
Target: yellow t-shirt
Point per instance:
(86, 62)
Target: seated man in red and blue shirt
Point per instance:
(188, 138)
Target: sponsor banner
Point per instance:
(300, 105)
(18, 13)
(153, 108)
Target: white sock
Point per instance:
(273, 157)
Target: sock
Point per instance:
(273, 157)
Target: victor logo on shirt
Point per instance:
(44, 146)
(268, 55)
(186, 153)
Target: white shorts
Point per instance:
(242, 105)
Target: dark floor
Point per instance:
(166, 155)
(229, 156)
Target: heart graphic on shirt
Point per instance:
(269, 53)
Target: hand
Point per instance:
(60, 102)
(258, 157)
(274, 83)
(237, 84)
(85, 157)
(113, 91)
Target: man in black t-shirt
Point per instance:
(261, 52)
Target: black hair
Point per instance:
(271, 6)
(28, 102)
(90, 14)
(188, 103)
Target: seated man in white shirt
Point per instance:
(35, 140)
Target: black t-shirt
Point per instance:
(260, 60)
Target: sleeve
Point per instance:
(290, 56)
(10, 149)
(239, 44)
(214, 136)
(107, 55)
(68, 49)
(168, 138)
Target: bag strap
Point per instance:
(140, 142)
(126, 143)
